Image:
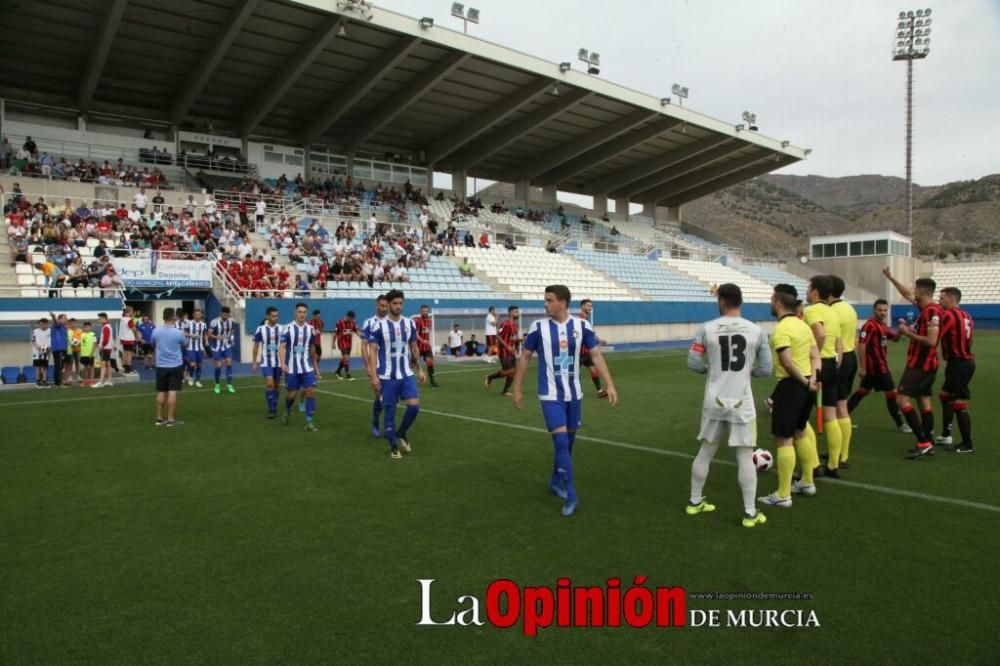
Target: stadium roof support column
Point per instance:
(481, 122)
(492, 143)
(649, 210)
(272, 93)
(458, 180)
(185, 97)
(344, 99)
(621, 207)
(390, 108)
(99, 54)
(522, 190)
(600, 204)
(307, 162)
(673, 214)
(549, 195)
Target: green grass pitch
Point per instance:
(236, 540)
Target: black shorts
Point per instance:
(169, 379)
(828, 375)
(344, 351)
(145, 350)
(455, 351)
(793, 404)
(319, 350)
(917, 383)
(426, 355)
(880, 382)
(40, 362)
(845, 375)
(508, 362)
(586, 360)
(105, 354)
(87, 361)
(957, 377)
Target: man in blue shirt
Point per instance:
(146, 328)
(169, 342)
(60, 341)
(558, 341)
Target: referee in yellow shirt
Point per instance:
(796, 365)
(826, 329)
(848, 369)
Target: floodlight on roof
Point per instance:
(807, 151)
(360, 7)
(472, 15)
(784, 144)
(664, 101)
(426, 23)
(565, 67)
(584, 55)
(740, 127)
(458, 9)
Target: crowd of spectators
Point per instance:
(28, 161)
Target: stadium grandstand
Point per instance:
(288, 149)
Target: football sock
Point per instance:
(805, 450)
(572, 440)
(376, 411)
(813, 450)
(846, 430)
(229, 374)
(856, 399)
(594, 377)
(927, 421)
(964, 421)
(288, 404)
(496, 375)
(390, 425)
(218, 375)
(947, 414)
(197, 373)
(747, 475)
(834, 440)
(913, 420)
(409, 416)
(564, 463)
(269, 396)
(699, 470)
(893, 407)
(430, 367)
(786, 466)
(310, 407)
(506, 384)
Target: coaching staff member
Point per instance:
(169, 342)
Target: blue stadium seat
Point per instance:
(29, 372)
(9, 374)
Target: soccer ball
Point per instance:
(763, 460)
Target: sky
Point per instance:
(817, 73)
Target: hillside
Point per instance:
(774, 215)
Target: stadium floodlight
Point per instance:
(739, 128)
(565, 67)
(664, 101)
(784, 144)
(807, 151)
(751, 120)
(592, 59)
(362, 8)
(911, 41)
(426, 23)
(680, 91)
(470, 15)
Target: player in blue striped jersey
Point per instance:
(393, 353)
(381, 311)
(195, 334)
(297, 353)
(221, 337)
(266, 341)
(558, 341)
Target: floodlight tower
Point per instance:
(911, 42)
(471, 16)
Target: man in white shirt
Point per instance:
(140, 200)
(41, 344)
(372, 225)
(135, 215)
(260, 209)
(491, 335)
(455, 336)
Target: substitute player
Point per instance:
(424, 324)
(558, 341)
(394, 353)
(848, 367)
(346, 329)
(826, 329)
(297, 354)
(956, 346)
(735, 349)
(873, 363)
(195, 334)
(367, 327)
(796, 365)
(220, 336)
(266, 340)
(507, 339)
(921, 362)
(587, 312)
(492, 351)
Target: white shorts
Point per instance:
(740, 434)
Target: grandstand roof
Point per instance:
(301, 72)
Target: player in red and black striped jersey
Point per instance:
(317, 323)
(921, 362)
(873, 362)
(424, 324)
(956, 346)
(587, 312)
(343, 336)
(508, 339)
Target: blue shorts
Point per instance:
(299, 380)
(195, 356)
(561, 414)
(394, 390)
(274, 373)
(220, 354)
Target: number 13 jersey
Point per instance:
(735, 349)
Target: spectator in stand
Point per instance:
(466, 268)
(54, 277)
(6, 153)
(301, 286)
(509, 243)
(30, 146)
(484, 240)
(111, 282)
(470, 241)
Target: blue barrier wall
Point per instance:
(44, 305)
